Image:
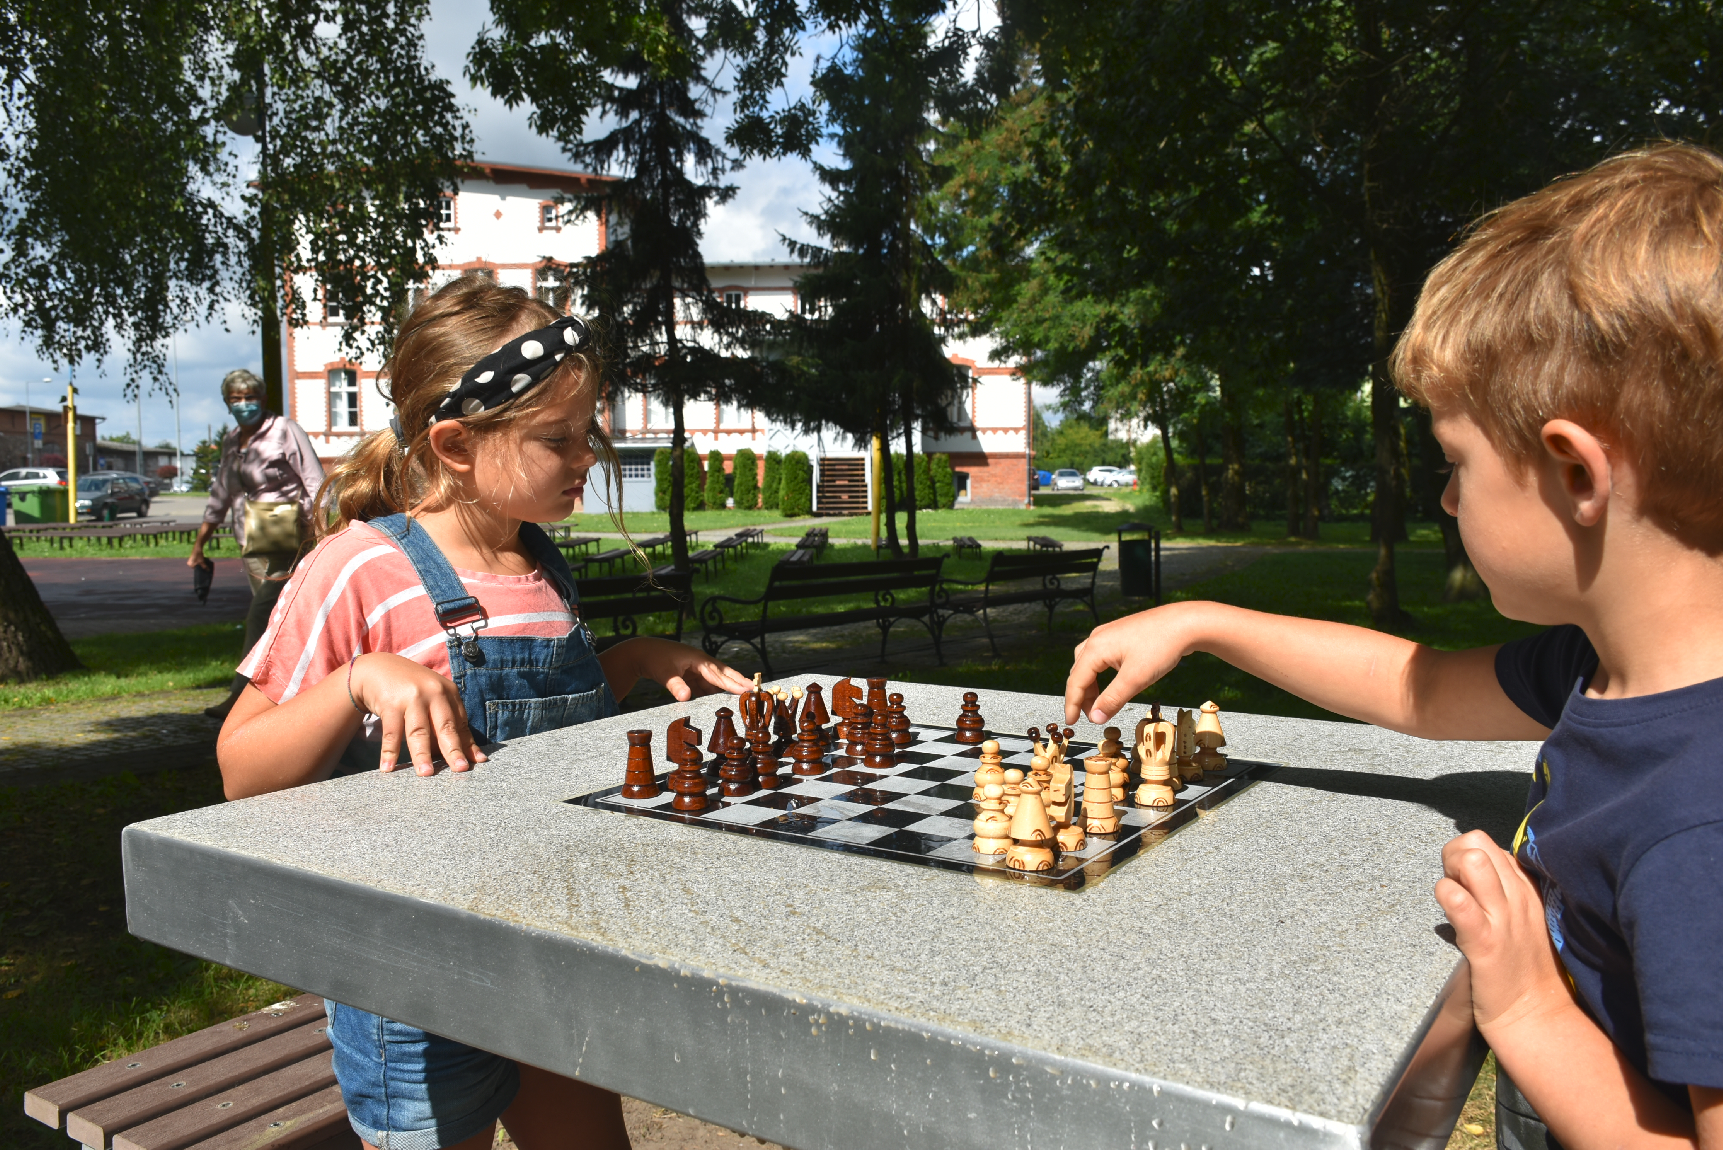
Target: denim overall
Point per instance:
(406, 1089)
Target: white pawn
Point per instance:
(992, 827)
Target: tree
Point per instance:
(746, 486)
(716, 493)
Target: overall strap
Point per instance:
(449, 597)
(551, 562)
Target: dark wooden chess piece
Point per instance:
(723, 730)
(876, 700)
(687, 780)
(970, 727)
(855, 731)
(737, 776)
(640, 781)
(815, 705)
(809, 755)
(898, 723)
(783, 720)
(880, 754)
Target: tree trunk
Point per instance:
(1287, 412)
(678, 487)
(1170, 475)
(31, 646)
(1462, 581)
(1234, 511)
(888, 484)
(1313, 469)
(268, 279)
(1202, 477)
(909, 473)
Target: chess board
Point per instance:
(918, 811)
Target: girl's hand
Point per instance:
(686, 672)
(1498, 919)
(1142, 647)
(418, 705)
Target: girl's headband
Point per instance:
(510, 370)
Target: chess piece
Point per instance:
(687, 780)
(640, 781)
(737, 776)
(723, 731)
(766, 760)
(808, 755)
(876, 700)
(880, 753)
(846, 697)
(1210, 737)
(969, 722)
(1013, 788)
(1036, 746)
(1070, 837)
(1099, 817)
(1185, 748)
(1030, 833)
(1040, 771)
(861, 722)
(1111, 750)
(989, 769)
(992, 824)
(784, 716)
(1061, 797)
(1155, 753)
(898, 722)
(814, 704)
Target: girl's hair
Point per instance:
(437, 343)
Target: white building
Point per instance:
(503, 223)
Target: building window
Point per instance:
(333, 312)
(735, 415)
(550, 293)
(807, 305)
(636, 466)
(732, 299)
(446, 212)
(343, 400)
(482, 273)
(547, 217)
(416, 296)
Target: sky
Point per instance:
(770, 198)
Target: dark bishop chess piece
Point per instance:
(898, 723)
(640, 781)
(970, 727)
(856, 731)
(723, 730)
(687, 780)
(808, 754)
(783, 718)
(815, 706)
(737, 776)
(879, 753)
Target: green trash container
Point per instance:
(1140, 561)
(41, 504)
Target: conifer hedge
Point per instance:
(693, 487)
(944, 483)
(745, 484)
(797, 478)
(661, 479)
(772, 485)
(717, 495)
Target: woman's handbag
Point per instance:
(271, 528)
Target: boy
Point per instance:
(1571, 354)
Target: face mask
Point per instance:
(247, 413)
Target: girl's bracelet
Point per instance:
(350, 697)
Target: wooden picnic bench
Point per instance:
(809, 548)
(962, 543)
(1017, 577)
(624, 599)
(262, 1081)
(899, 589)
(1044, 543)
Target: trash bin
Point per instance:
(41, 504)
(5, 506)
(1140, 561)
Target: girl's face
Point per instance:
(538, 476)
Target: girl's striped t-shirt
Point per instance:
(357, 592)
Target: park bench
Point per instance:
(814, 539)
(799, 555)
(572, 545)
(1016, 577)
(262, 1081)
(624, 599)
(962, 543)
(1044, 543)
(898, 589)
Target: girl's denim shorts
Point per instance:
(406, 1089)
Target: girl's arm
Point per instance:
(266, 746)
(685, 671)
(1352, 671)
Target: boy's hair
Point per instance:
(438, 342)
(1598, 299)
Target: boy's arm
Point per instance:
(1352, 671)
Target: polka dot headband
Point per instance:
(508, 372)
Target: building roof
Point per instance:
(547, 179)
(51, 407)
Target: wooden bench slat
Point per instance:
(96, 1124)
(210, 1116)
(316, 1122)
(49, 1104)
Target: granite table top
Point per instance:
(1273, 974)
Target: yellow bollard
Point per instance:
(71, 412)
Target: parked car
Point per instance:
(1120, 477)
(107, 495)
(1100, 475)
(1067, 479)
(29, 476)
(1042, 478)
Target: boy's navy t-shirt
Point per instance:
(1624, 832)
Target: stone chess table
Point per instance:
(1275, 973)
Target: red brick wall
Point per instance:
(994, 480)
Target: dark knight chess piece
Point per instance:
(687, 780)
(970, 727)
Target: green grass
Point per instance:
(658, 522)
(1316, 584)
(201, 656)
(132, 549)
(75, 988)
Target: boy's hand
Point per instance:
(417, 704)
(686, 672)
(1143, 647)
(1498, 918)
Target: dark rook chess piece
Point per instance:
(640, 782)
(876, 700)
(970, 727)
(686, 780)
(898, 723)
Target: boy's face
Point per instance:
(1515, 531)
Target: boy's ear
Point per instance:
(453, 445)
(1583, 468)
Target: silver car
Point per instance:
(1068, 479)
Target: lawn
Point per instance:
(217, 548)
(658, 522)
(201, 656)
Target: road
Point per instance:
(98, 596)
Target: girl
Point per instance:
(434, 613)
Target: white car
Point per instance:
(1101, 476)
(28, 476)
(1121, 477)
(1067, 479)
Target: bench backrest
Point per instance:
(824, 580)
(614, 596)
(1011, 565)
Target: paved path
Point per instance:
(99, 596)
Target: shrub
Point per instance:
(661, 479)
(897, 481)
(771, 487)
(926, 498)
(797, 497)
(944, 484)
(1151, 464)
(745, 480)
(693, 487)
(716, 493)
